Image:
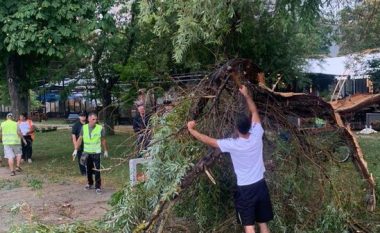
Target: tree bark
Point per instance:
(104, 86)
(108, 113)
(18, 84)
(62, 107)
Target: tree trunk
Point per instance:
(62, 107)
(108, 113)
(18, 85)
(104, 87)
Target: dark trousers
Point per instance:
(82, 168)
(143, 140)
(93, 161)
(27, 149)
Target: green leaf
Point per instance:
(51, 51)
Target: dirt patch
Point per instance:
(51, 203)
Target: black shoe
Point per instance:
(88, 187)
(13, 173)
(18, 169)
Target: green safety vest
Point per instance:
(9, 132)
(92, 143)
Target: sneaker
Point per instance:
(88, 187)
(13, 173)
(18, 169)
(29, 160)
(98, 191)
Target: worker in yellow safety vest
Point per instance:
(93, 137)
(10, 136)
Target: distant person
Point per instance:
(147, 99)
(11, 135)
(141, 98)
(27, 129)
(93, 137)
(140, 125)
(75, 134)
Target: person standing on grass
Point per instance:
(11, 135)
(93, 137)
(140, 125)
(75, 133)
(252, 200)
(27, 130)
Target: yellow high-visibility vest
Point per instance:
(92, 143)
(9, 133)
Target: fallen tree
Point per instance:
(308, 186)
(355, 103)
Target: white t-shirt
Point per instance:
(24, 127)
(246, 155)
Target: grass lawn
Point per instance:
(54, 121)
(52, 159)
(370, 145)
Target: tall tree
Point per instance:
(277, 35)
(111, 47)
(359, 27)
(33, 31)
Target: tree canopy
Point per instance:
(35, 32)
(277, 35)
(359, 27)
(45, 27)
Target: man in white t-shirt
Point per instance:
(252, 201)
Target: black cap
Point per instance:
(82, 113)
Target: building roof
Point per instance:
(353, 65)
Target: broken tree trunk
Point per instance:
(355, 103)
(226, 79)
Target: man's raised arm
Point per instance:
(201, 137)
(251, 105)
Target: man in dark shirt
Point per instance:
(140, 124)
(75, 133)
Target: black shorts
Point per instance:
(252, 203)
